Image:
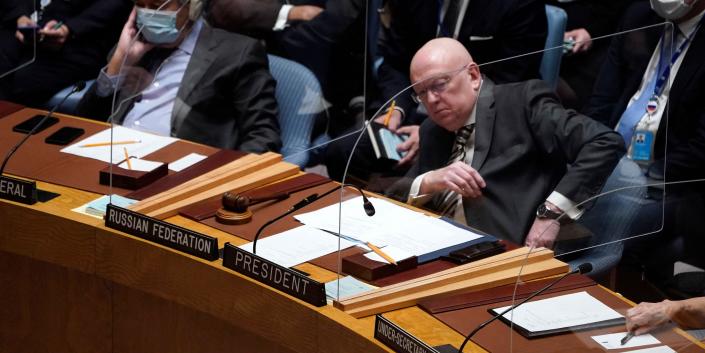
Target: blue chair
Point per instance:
(300, 100)
(71, 104)
(551, 61)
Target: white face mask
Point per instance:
(671, 9)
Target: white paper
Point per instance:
(140, 165)
(614, 340)
(392, 251)
(560, 312)
(186, 161)
(391, 225)
(348, 286)
(297, 245)
(148, 143)
(659, 349)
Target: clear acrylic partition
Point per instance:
(637, 188)
(18, 23)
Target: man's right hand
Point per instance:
(303, 12)
(23, 21)
(130, 49)
(394, 120)
(458, 177)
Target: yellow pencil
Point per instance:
(389, 113)
(127, 158)
(381, 253)
(100, 144)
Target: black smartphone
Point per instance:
(26, 126)
(29, 33)
(64, 136)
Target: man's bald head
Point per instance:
(446, 81)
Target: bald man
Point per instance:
(506, 159)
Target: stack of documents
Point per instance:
(137, 143)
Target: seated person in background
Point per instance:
(494, 156)
(490, 29)
(687, 314)
(662, 123)
(73, 39)
(202, 84)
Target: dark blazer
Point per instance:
(226, 98)
(514, 26)
(526, 146)
(621, 75)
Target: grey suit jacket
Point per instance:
(526, 146)
(226, 98)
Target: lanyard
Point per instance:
(658, 89)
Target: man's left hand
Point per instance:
(543, 233)
(411, 145)
(54, 37)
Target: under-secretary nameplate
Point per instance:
(273, 275)
(397, 339)
(148, 228)
(17, 190)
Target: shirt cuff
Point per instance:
(565, 204)
(414, 198)
(105, 84)
(282, 18)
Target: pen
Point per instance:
(626, 338)
(100, 144)
(57, 25)
(389, 113)
(381, 253)
(127, 158)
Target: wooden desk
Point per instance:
(71, 285)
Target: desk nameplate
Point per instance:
(18, 190)
(160, 232)
(273, 275)
(398, 339)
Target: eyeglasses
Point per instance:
(437, 86)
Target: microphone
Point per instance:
(76, 88)
(369, 209)
(582, 269)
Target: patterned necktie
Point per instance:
(450, 199)
(450, 18)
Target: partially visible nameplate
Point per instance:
(273, 275)
(18, 190)
(398, 339)
(160, 232)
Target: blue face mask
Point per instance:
(158, 26)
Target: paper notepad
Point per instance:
(570, 312)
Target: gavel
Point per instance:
(235, 206)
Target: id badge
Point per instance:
(642, 145)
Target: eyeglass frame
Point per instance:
(438, 88)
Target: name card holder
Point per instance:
(160, 232)
(398, 339)
(273, 275)
(22, 191)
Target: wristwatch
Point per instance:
(543, 212)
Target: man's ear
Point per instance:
(474, 72)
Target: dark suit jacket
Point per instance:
(524, 139)
(621, 75)
(226, 98)
(516, 27)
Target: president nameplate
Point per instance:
(398, 339)
(18, 190)
(154, 230)
(273, 275)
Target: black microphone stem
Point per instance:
(482, 325)
(299, 205)
(78, 87)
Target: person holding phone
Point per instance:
(175, 75)
(72, 39)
